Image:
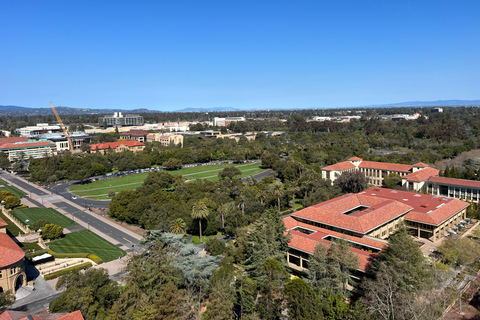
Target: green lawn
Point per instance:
(88, 242)
(2, 183)
(12, 228)
(17, 192)
(29, 247)
(98, 190)
(35, 214)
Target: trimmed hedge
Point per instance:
(22, 206)
(90, 256)
(57, 274)
(36, 253)
(95, 258)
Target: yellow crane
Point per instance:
(70, 144)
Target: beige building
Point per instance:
(166, 140)
(374, 171)
(12, 268)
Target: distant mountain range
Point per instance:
(438, 103)
(18, 111)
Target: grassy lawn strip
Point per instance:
(98, 190)
(17, 192)
(87, 241)
(35, 214)
(12, 228)
(2, 183)
(29, 246)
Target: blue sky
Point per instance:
(169, 55)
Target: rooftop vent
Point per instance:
(424, 205)
(418, 195)
(393, 191)
(405, 199)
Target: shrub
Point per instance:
(57, 274)
(20, 207)
(40, 224)
(51, 231)
(95, 258)
(215, 246)
(111, 193)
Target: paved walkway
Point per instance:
(50, 200)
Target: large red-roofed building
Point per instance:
(119, 146)
(367, 219)
(12, 269)
(376, 171)
(23, 315)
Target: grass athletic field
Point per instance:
(98, 190)
(3, 183)
(17, 192)
(88, 242)
(35, 214)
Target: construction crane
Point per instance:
(70, 144)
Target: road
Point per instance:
(62, 190)
(90, 220)
(100, 225)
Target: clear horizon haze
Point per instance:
(171, 55)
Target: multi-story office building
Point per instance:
(29, 149)
(118, 119)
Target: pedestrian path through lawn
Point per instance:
(98, 190)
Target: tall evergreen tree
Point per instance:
(404, 257)
(266, 239)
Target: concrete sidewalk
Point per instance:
(50, 201)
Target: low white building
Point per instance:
(40, 128)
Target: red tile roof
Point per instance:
(22, 315)
(421, 165)
(421, 175)
(3, 223)
(331, 212)
(13, 140)
(291, 223)
(10, 251)
(426, 208)
(385, 166)
(339, 166)
(26, 145)
(455, 182)
(302, 242)
(115, 145)
(135, 133)
(355, 159)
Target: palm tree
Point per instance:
(223, 210)
(277, 191)
(293, 187)
(242, 205)
(200, 211)
(261, 196)
(178, 226)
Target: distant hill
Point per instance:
(438, 103)
(19, 111)
(219, 109)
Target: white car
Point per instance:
(74, 198)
